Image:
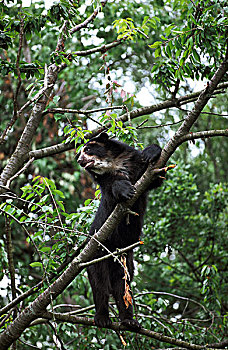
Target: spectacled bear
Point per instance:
(116, 167)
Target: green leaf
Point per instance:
(45, 249)
(196, 55)
(60, 193)
(58, 116)
(156, 44)
(168, 29)
(36, 264)
(157, 52)
(168, 51)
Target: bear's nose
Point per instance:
(81, 160)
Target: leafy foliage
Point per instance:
(184, 50)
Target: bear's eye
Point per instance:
(87, 149)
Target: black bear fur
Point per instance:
(116, 167)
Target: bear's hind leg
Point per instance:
(118, 292)
(125, 312)
(99, 280)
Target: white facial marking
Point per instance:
(94, 163)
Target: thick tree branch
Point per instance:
(118, 327)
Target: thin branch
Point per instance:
(202, 135)
(159, 126)
(9, 246)
(207, 113)
(80, 111)
(59, 148)
(191, 265)
(89, 19)
(15, 96)
(37, 287)
(176, 297)
(168, 104)
(208, 257)
(36, 97)
(176, 88)
(29, 345)
(20, 172)
(103, 48)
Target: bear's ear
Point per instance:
(102, 137)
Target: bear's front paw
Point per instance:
(123, 190)
(127, 193)
(102, 321)
(151, 153)
(132, 324)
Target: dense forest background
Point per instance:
(146, 72)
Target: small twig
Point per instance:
(177, 84)
(138, 30)
(210, 113)
(159, 126)
(36, 97)
(141, 124)
(111, 254)
(29, 345)
(20, 172)
(128, 115)
(58, 338)
(5, 318)
(102, 48)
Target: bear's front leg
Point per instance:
(150, 155)
(122, 190)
